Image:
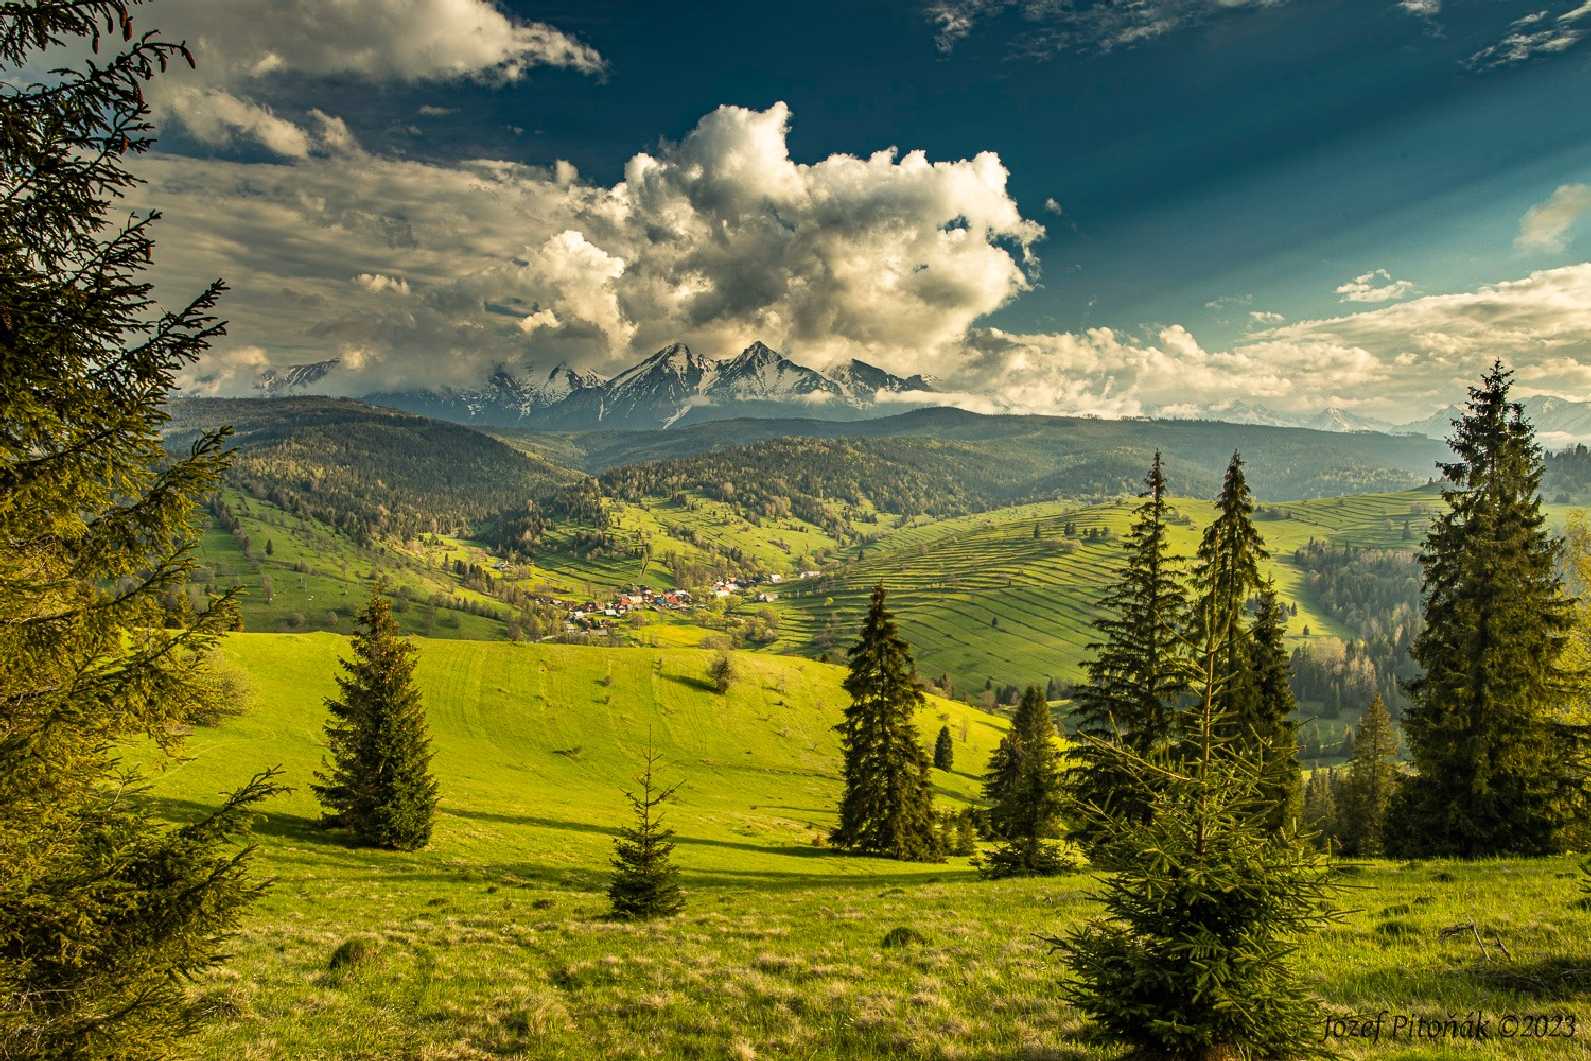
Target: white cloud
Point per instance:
(379, 282)
(244, 48)
(1100, 27)
(219, 118)
(1265, 316)
(1424, 8)
(1536, 34)
(1546, 226)
(1375, 286)
(1395, 363)
(1053, 206)
(717, 239)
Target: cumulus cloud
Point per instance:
(717, 239)
(1062, 26)
(1424, 8)
(381, 282)
(1546, 226)
(1265, 316)
(1395, 363)
(245, 48)
(1540, 33)
(1375, 286)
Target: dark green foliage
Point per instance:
(1264, 706)
(105, 913)
(1204, 905)
(352, 953)
(944, 750)
(1320, 817)
(887, 808)
(378, 783)
(371, 472)
(902, 937)
(645, 880)
(721, 672)
(1030, 809)
(1372, 778)
(1227, 575)
(1374, 594)
(1137, 673)
(1000, 778)
(1488, 730)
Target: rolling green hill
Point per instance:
(983, 597)
(493, 942)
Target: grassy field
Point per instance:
(314, 578)
(493, 941)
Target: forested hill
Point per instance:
(1046, 455)
(368, 471)
(372, 472)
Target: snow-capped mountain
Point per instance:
(505, 398)
(294, 377)
(677, 384)
(672, 385)
(1331, 418)
(1558, 421)
(862, 382)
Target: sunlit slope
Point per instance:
(985, 597)
(535, 743)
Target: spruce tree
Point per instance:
(645, 880)
(1137, 674)
(1204, 905)
(944, 750)
(1000, 778)
(1372, 778)
(1030, 812)
(1489, 727)
(1320, 813)
(105, 912)
(1264, 708)
(378, 783)
(1227, 575)
(887, 808)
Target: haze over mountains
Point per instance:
(678, 386)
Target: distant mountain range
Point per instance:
(672, 386)
(677, 386)
(1558, 421)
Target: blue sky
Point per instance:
(1350, 202)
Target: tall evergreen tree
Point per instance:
(1000, 777)
(1489, 728)
(104, 911)
(1137, 674)
(1030, 811)
(1320, 814)
(378, 783)
(1227, 575)
(944, 750)
(1264, 709)
(645, 880)
(887, 808)
(1372, 778)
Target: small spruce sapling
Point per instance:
(645, 882)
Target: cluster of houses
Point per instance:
(598, 616)
(592, 615)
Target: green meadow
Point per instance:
(493, 941)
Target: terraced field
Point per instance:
(983, 598)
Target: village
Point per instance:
(596, 616)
